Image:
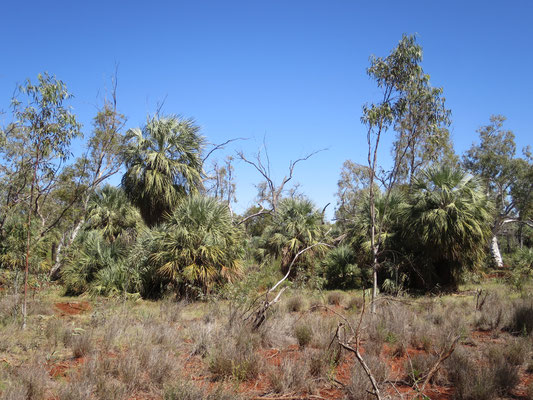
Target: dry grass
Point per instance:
(150, 349)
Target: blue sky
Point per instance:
(290, 71)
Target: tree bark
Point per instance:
(56, 269)
(28, 243)
(495, 252)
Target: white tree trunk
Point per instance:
(495, 252)
(56, 269)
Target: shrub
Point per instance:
(156, 361)
(109, 388)
(295, 304)
(492, 313)
(54, 331)
(470, 381)
(291, 376)
(235, 357)
(473, 381)
(303, 334)
(521, 321)
(354, 303)
(335, 298)
(341, 270)
(516, 351)
(188, 391)
(505, 374)
(129, 371)
(82, 345)
(529, 391)
(34, 380)
(360, 387)
(14, 392)
(77, 390)
(418, 367)
(317, 364)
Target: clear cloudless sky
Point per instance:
(292, 72)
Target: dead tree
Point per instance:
(258, 316)
(272, 192)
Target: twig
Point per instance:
(442, 357)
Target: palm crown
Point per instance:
(163, 163)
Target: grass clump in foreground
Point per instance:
(153, 349)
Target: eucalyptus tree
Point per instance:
(448, 218)
(422, 135)
(164, 164)
(506, 177)
(101, 160)
(47, 127)
(522, 193)
(352, 188)
(393, 76)
(222, 182)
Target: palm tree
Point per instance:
(198, 245)
(341, 270)
(449, 217)
(296, 225)
(111, 213)
(90, 255)
(163, 162)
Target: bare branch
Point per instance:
(257, 214)
(221, 146)
(275, 191)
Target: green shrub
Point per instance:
(341, 270)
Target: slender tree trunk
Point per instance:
(55, 271)
(520, 234)
(495, 252)
(28, 243)
(374, 279)
(375, 246)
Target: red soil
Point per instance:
(60, 369)
(72, 308)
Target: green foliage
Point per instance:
(164, 164)
(296, 225)
(448, 218)
(492, 159)
(257, 225)
(198, 246)
(341, 270)
(111, 213)
(521, 271)
(99, 266)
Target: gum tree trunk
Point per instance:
(495, 252)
